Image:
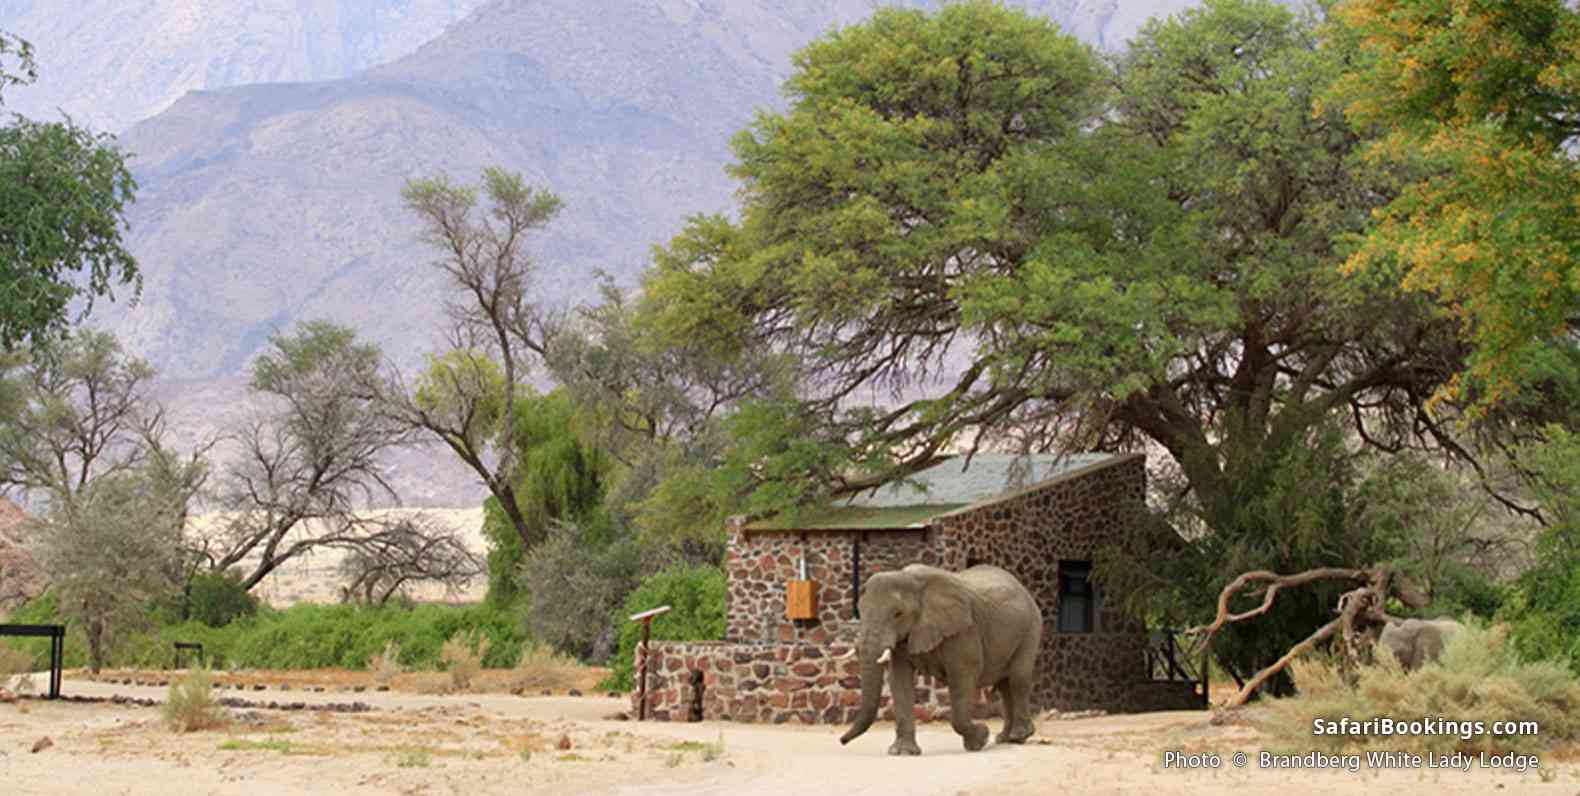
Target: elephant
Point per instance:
(967, 629)
(1417, 642)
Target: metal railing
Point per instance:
(1174, 657)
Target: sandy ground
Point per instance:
(473, 744)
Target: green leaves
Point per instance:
(63, 197)
(1482, 97)
(467, 387)
(25, 70)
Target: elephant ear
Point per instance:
(946, 610)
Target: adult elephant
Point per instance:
(1417, 642)
(968, 629)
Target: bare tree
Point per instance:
(403, 551)
(494, 320)
(76, 410)
(307, 466)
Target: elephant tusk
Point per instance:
(884, 658)
(847, 656)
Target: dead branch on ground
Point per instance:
(1361, 613)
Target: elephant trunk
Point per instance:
(871, 689)
(873, 655)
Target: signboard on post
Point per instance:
(646, 618)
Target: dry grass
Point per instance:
(191, 706)
(1478, 679)
(386, 665)
(13, 661)
(542, 666)
(463, 658)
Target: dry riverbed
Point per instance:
(413, 743)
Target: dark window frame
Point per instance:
(1075, 581)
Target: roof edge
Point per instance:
(1112, 461)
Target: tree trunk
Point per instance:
(95, 633)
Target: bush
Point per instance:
(304, 636)
(1480, 677)
(463, 658)
(542, 666)
(13, 662)
(1545, 613)
(191, 705)
(696, 599)
(43, 610)
(217, 598)
(575, 581)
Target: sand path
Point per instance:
(470, 744)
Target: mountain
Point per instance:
(264, 204)
(261, 205)
(111, 63)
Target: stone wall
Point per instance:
(771, 683)
(1029, 533)
(760, 563)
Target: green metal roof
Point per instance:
(854, 518)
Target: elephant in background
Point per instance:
(1417, 642)
(969, 629)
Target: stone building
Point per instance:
(793, 587)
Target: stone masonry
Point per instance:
(772, 669)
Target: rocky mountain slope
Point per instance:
(261, 205)
(111, 63)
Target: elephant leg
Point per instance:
(902, 686)
(962, 698)
(1016, 693)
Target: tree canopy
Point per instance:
(974, 232)
(1482, 97)
(63, 197)
(1159, 262)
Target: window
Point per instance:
(1078, 598)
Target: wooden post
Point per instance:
(646, 618)
(1206, 680)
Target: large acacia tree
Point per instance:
(978, 232)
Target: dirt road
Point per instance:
(473, 744)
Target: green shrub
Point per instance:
(1545, 613)
(304, 636)
(696, 599)
(190, 705)
(1464, 589)
(216, 599)
(575, 581)
(1480, 677)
